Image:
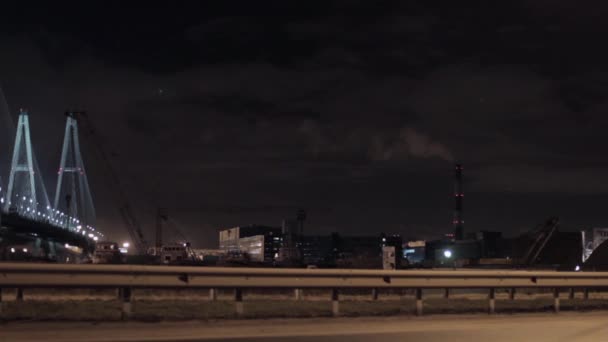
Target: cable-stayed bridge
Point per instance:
(34, 227)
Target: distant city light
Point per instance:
(95, 238)
(126, 245)
(12, 250)
(67, 245)
(25, 250)
(447, 253)
(577, 268)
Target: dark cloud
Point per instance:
(353, 110)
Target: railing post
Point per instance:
(335, 302)
(297, 294)
(238, 298)
(586, 293)
(446, 293)
(374, 294)
(419, 302)
(491, 301)
(125, 297)
(556, 300)
(19, 294)
(571, 294)
(212, 294)
(512, 293)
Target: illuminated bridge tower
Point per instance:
(25, 188)
(458, 222)
(73, 196)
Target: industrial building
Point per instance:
(335, 250)
(254, 243)
(414, 252)
(263, 244)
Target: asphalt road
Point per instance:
(566, 327)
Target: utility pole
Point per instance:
(161, 215)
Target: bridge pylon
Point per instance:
(73, 195)
(25, 188)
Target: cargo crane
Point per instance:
(113, 182)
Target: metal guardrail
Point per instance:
(127, 277)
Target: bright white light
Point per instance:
(79, 227)
(25, 250)
(31, 200)
(12, 250)
(577, 268)
(2, 200)
(83, 232)
(24, 198)
(67, 245)
(95, 238)
(126, 245)
(90, 235)
(447, 253)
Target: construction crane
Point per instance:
(543, 235)
(162, 218)
(113, 181)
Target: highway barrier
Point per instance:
(128, 277)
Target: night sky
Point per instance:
(233, 113)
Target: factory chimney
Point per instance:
(458, 222)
